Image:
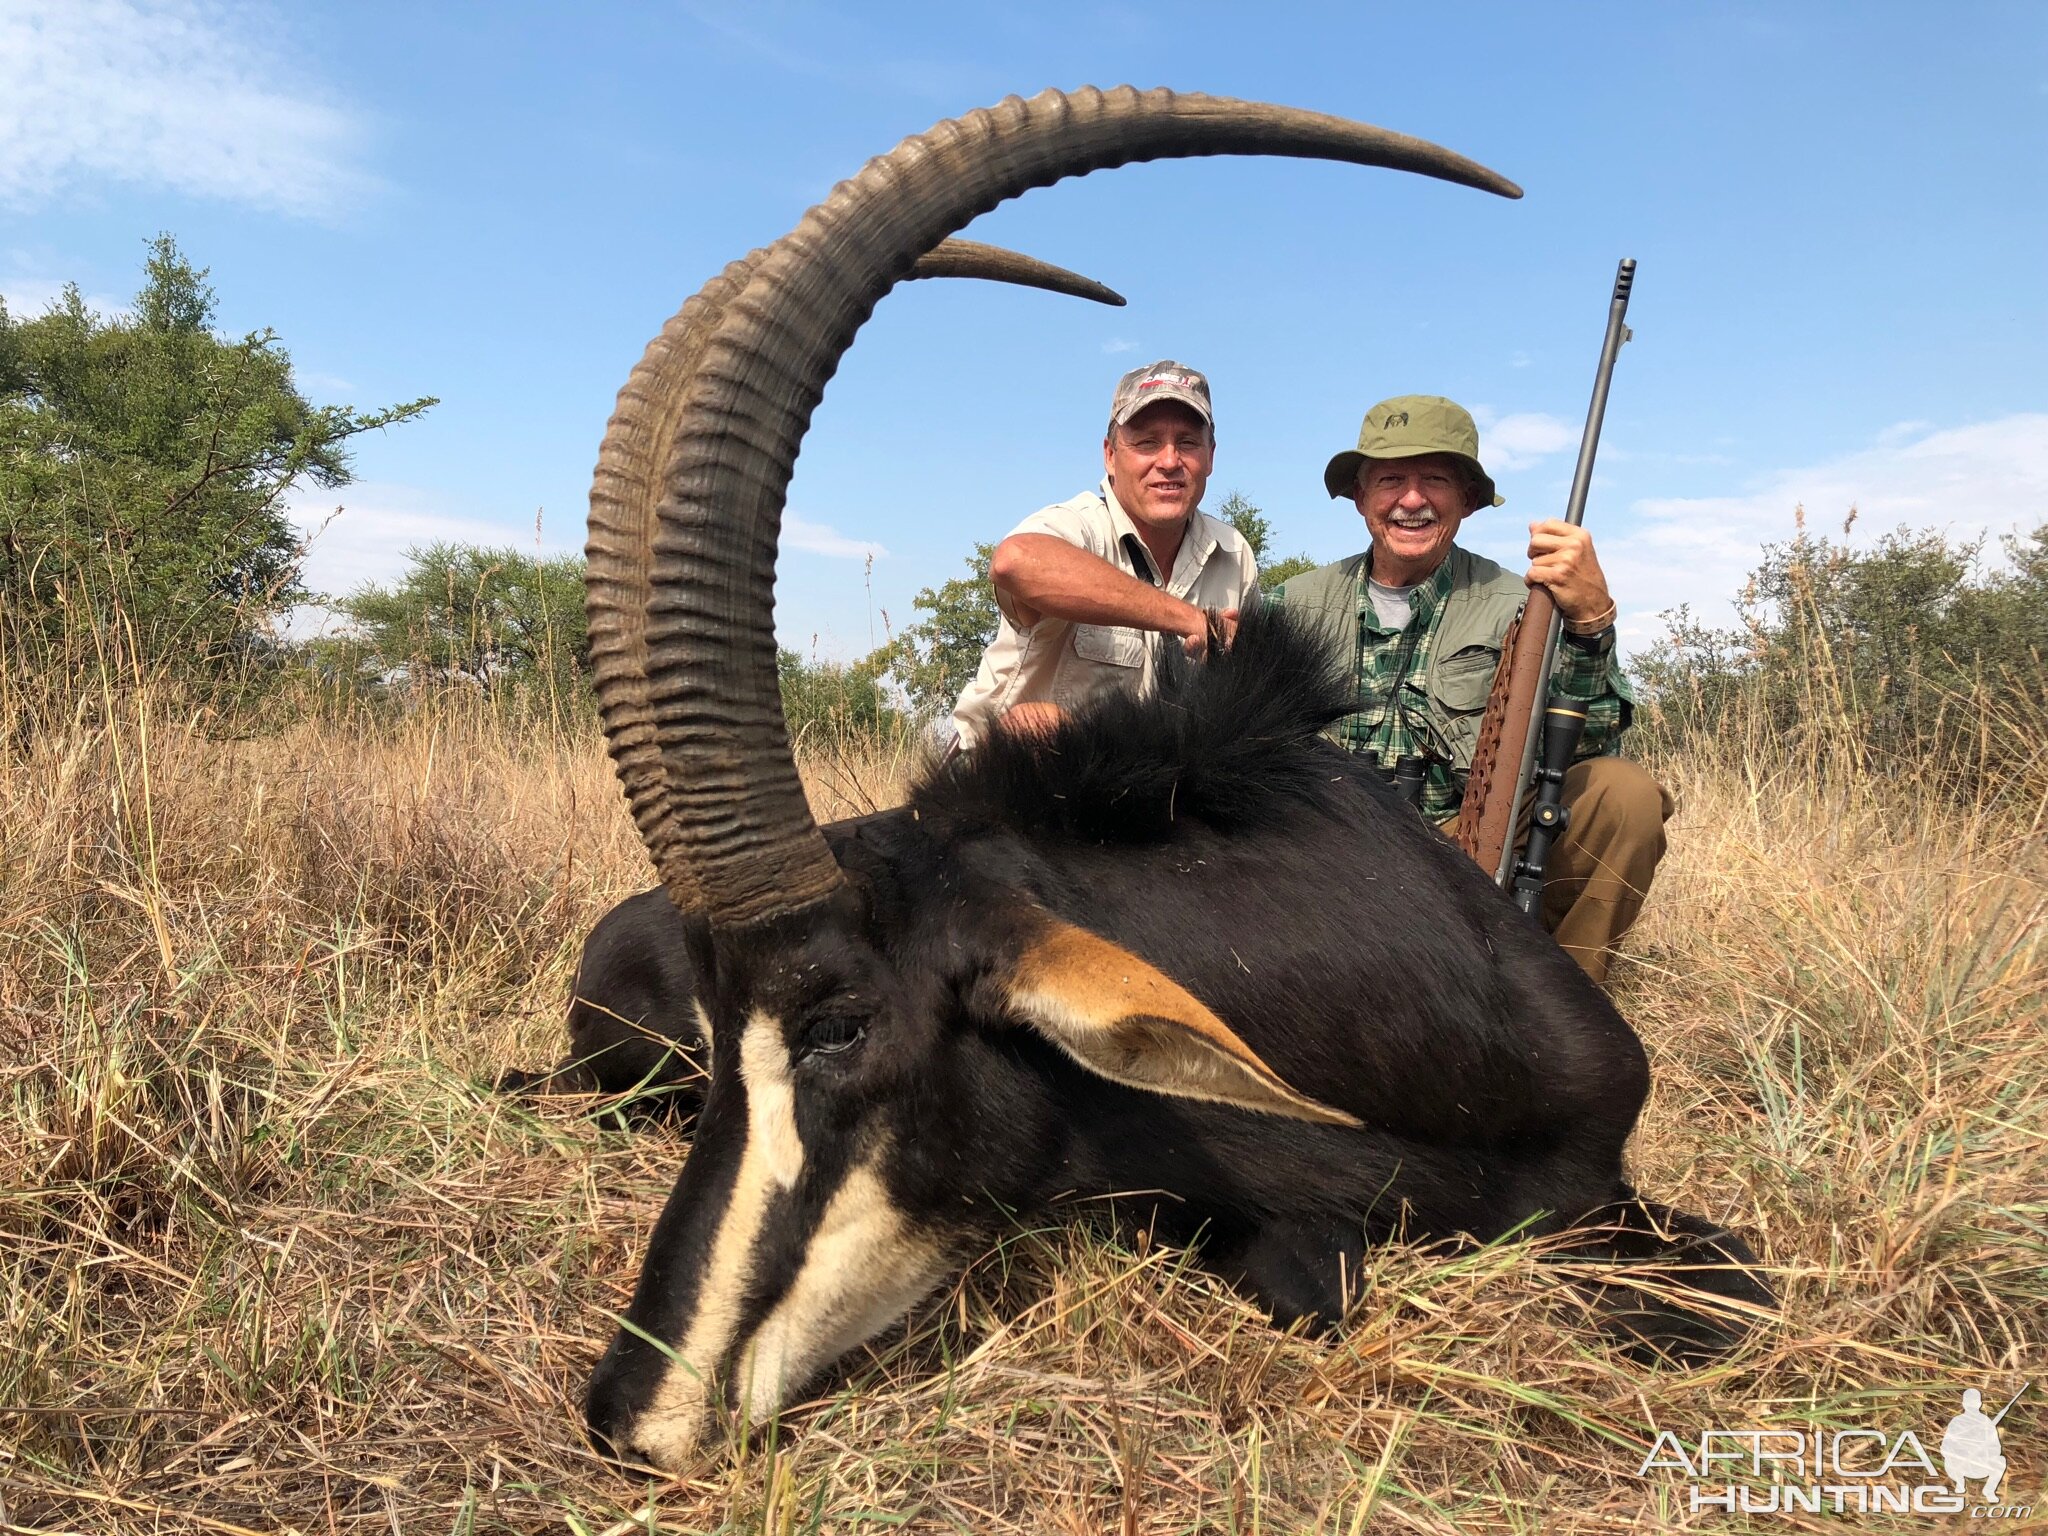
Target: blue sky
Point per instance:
(1838, 211)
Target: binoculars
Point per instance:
(1404, 773)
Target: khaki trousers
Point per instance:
(1599, 872)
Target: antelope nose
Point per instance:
(629, 1419)
(611, 1423)
(611, 1405)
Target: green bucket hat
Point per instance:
(1406, 427)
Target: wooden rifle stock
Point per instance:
(1503, 762)
(1486, 817)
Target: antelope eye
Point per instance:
(833, 1035)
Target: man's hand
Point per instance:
(1039, 717)
(1196, 641)
(1561, 558)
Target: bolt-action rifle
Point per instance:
(1520, 713)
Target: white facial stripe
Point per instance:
(862, 1269)
(765, 1067)
(703, 1028)
(676, 1417)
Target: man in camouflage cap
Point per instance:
(1085, 585)
(1420, 623)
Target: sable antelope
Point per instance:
(632, 1010)
(1107, 959)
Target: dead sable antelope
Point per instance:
(1178, 946)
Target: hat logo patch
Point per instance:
(1396, 419)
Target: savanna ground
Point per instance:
(275, 1259)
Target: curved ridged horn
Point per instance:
(743, 836)
(970, 258)
(628, 487)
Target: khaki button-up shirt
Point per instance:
(1069, 663)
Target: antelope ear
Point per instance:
(1128, 1021)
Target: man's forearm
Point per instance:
(1584, 670)
(1046, 577)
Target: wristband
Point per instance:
(1598, 625)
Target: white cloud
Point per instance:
(360, 533)
(175, 93)
(1987, 478)
(820, 539)
(1520, 360)
(1518, 441)
(28, 297)
(1119, 344)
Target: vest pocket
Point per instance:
(1461, 683)
(1458, 689)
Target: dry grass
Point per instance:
(273, 1259)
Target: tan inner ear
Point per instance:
(1125, 1020)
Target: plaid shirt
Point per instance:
(1391, 720)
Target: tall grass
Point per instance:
(272, 1258)
(1909, 662)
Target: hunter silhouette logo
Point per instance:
(1970, 1448)
(1867, 1471)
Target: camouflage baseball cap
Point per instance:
(1406, 427)
(1163, 380)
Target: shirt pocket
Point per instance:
(1104, 658)
(1108, 645)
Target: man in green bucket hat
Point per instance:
(1420, 621)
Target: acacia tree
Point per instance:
(832, 700)
(486, 616)
(934, 659)
(1914, 655)
(144, 463)
(512, 624)
(1256, 529)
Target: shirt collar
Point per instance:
(1198, 542)
(1119, 520)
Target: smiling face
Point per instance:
(1159, 463)
(1412, 508)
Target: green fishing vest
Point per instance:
(1464, 655)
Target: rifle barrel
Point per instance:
(1575, 514)
(1610, 345)
(2008, 1407)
